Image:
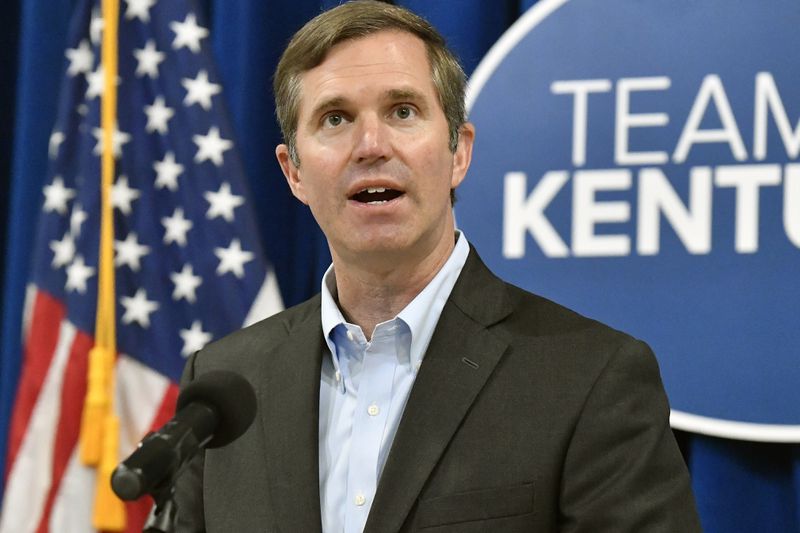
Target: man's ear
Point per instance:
(291, 172)
(463, 154)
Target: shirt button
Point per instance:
(360, 500)
(350, 335)
(373, 410)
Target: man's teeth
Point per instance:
(376, 195)
(374, 190)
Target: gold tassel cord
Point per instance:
(109, 511)
(95, 406)
(99, 438)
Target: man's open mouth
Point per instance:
(376, 195)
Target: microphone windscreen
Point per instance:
(230, 395)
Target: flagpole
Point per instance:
(100, 425)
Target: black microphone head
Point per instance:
(230, 395)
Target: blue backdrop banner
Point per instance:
(637, 161)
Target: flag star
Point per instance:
(222, 203)
(232, 259)
(81, 59)
(139, 9)
(211, 146)
(96, 82)
(77, 275)
(96, 26)
(130, 252)
(118, 139)
(63, 250)
(148, 59)
(167, 172)
(185, 284)
(176, 227)
(56, 138)
(188, 33)
(138, 308)
(194, 339)
(56, 196)
(157, 116)
(76, 219)
(122, 195)
(200, 90)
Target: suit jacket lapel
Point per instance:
(290, 414)
(460, 358)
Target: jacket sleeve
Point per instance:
(189, 484)
(623, 470)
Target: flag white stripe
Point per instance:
(267, 302)
(31, 474)
(27, 310)
(140, 392)
(74, 502)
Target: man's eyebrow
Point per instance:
(325, 105)
(405, 94)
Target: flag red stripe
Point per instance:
(167, 408)
(73, 393)
(39, 349)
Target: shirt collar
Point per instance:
(421, 314)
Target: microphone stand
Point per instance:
(164, 512)
(162, 516)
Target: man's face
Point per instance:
(372, 139)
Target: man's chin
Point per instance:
(378, 246)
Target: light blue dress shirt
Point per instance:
(363, 392)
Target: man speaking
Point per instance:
(418, 392)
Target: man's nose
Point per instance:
(373, 139)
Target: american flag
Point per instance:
(188, 262)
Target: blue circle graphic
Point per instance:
(637, 161)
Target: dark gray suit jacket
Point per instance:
(524, 417)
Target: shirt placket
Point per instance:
(369, 423)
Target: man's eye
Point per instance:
(333, 119)
(405, 112)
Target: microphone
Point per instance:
(212, 411)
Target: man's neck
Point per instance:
(368, 295)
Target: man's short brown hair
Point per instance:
(353, 20)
